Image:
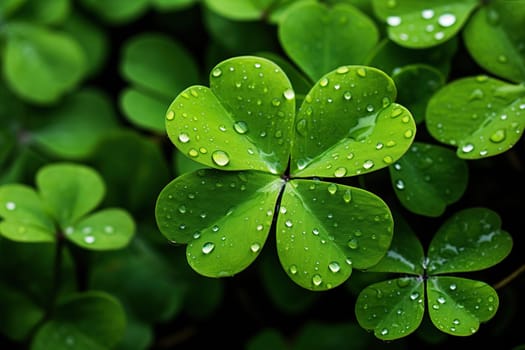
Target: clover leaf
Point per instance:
(337, 36)
(495, 40)
(89, 320)
(428, 178)
(66, 195)
(470, 240)
(418, 24)
(244, 127)
(480, 115)
(147, 63)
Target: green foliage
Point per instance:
(282, 164)
(456, 305)
(247, 115)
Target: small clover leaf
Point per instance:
(58, 62)
(480, 115)
(348, 125)
(418, 24)
(470, 240)
(90, 320)
(494, 38)
(428, 178)
(336, 36)
(67, 193)
(147, 63)
(242, 122)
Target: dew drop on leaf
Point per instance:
(393, 21)
(317, 280)
(453, 286)
(446, 20)
(289, 94)
(347, 196)
(332, 188)
(182, 209)
(240, 127)
(208, 247)
(220, 158)
(293, 269)
(334, 266)
(10, 206)
(301, 126)
(288, 223)
(498, 136)
(384, 331)
(170, 115)
(427, 13)
(193, 153)
(368, 164)
(352, 243)
(347, 95)
(467, 148)
(414, 295)
(89, 239)
(217, 72)
(361, 72)
(255, 247)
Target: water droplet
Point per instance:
(370, 108)
(255, 247)
(170, 115)
(317, 280)
(439, 35)
(384, 331)
(89, 239)
(10, 206)
(69, 230)
(414, 295)
(467, 148)
(393, 21)
(332, 188)
(456, 321)
(368, 164)
(215, 228)
(347, 196)
(388, 159)
(350, 156)
(334, 266)
(289, 94)
(342, 70)
(208, 247)
(498, 136)
(427, 13)
(293, 269)
(109, 229)
(502, 59)
(288, 223)
(361, 72)
(408, 134)
(217, 72)
(446, 20)
(240, 127)
(193, 152)
(347, 95)
(220, 158)
(477, 94)
(323, 82)
(352, 243)
(340, 172)
(397, 166)
(276, 102)
(391, 143)
(441, 300)
(184, 138)
(400, 184)
(453, 286)
(283, 210)
(87, 230)
(396, 112)
(379, 146)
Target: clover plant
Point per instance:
(470, 240)
(267, 162)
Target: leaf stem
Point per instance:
(510, 277)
